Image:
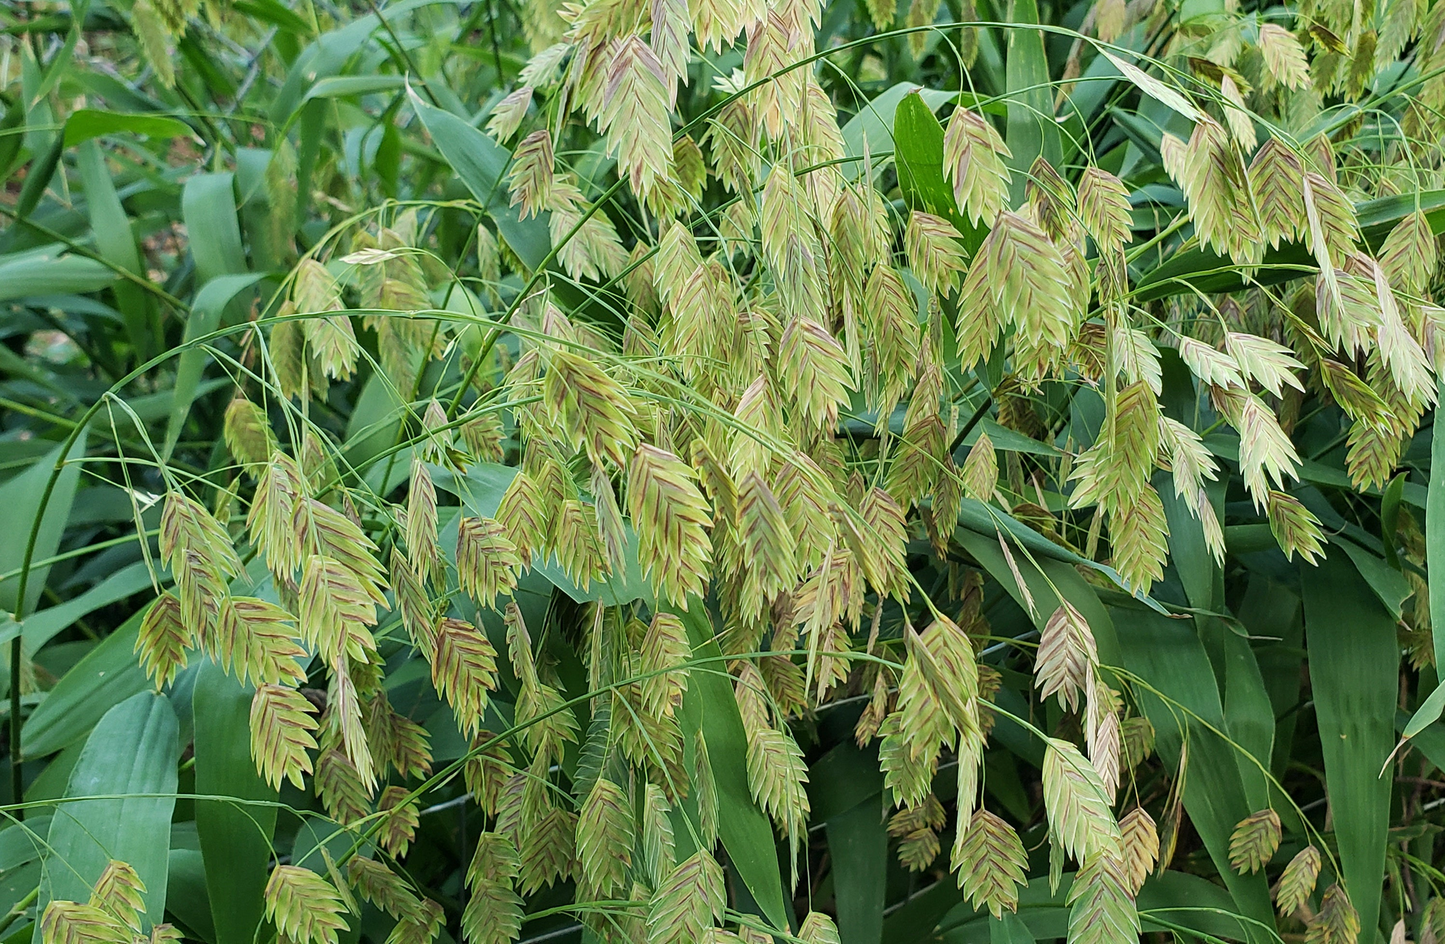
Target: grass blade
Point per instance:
(1353, 662)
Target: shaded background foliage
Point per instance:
(181, 181)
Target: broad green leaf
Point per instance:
(1248, 716)
(108, 675)
(1270, 612)
(1010, 929)
(1386, 583)
(746, 833)
(872, 126)
(206, 316)
(48, 270)
(1435, 532)
(235, 837)
(126, 582)
(116, 243)
(1427, 714)
(1353, 674)
(919, 158)
(858, 848)
(20, 499)
(1032, 131)
(188, 900)
(342, 86)
(129, 766)
(480, 162)
(86, 124)
(208, 206)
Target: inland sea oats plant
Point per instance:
(701, 471)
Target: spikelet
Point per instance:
(335, 610)
(1266, 454)
(270, 521)
(891, 316)
(163, 639)
(1138, 533)
(933, 250)
(670, 26)
(494, 911)
(421, 925)
(68, 922)
(1018, 277)
(1141, 847)
(530, 178)
(1104, 209)
(523, 516)
(819, 365)
(508, 113)
(487, 562)
(778, 778)
(716, 23)
(670, 515)
(1331, 231)
(634, 114)
(1295, 528)
(1137, 735)
(1109, 19)
(1137, 358)
(973, 160)
(665, 650)
(331, 340)
(1236, 115)
(767, 544)
(1337, 922)
(154, 36)
(342, 719)
(1102, 908)
(1278, 180)
(1066, 658)
(818, 928)
(281, 726)
(990, 861)
(590, 406)
(197, 549)
(248, 435)
(118, 892)
(1259, 359)
(421, 519)
(1297, 881)
(489, 765)
(324, 531)
(464, 670)
(605, 838)
(1409, 255)
(980, 470)
(588, 245)
(304, 906)
(657, 838)
(917, 829)
(1077, 805)
(1254, 841)
(256, 637)
(398, 827)
(398, 742)
(547, 851)
(687, 901)
(1214, 180)
(1284, 57)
